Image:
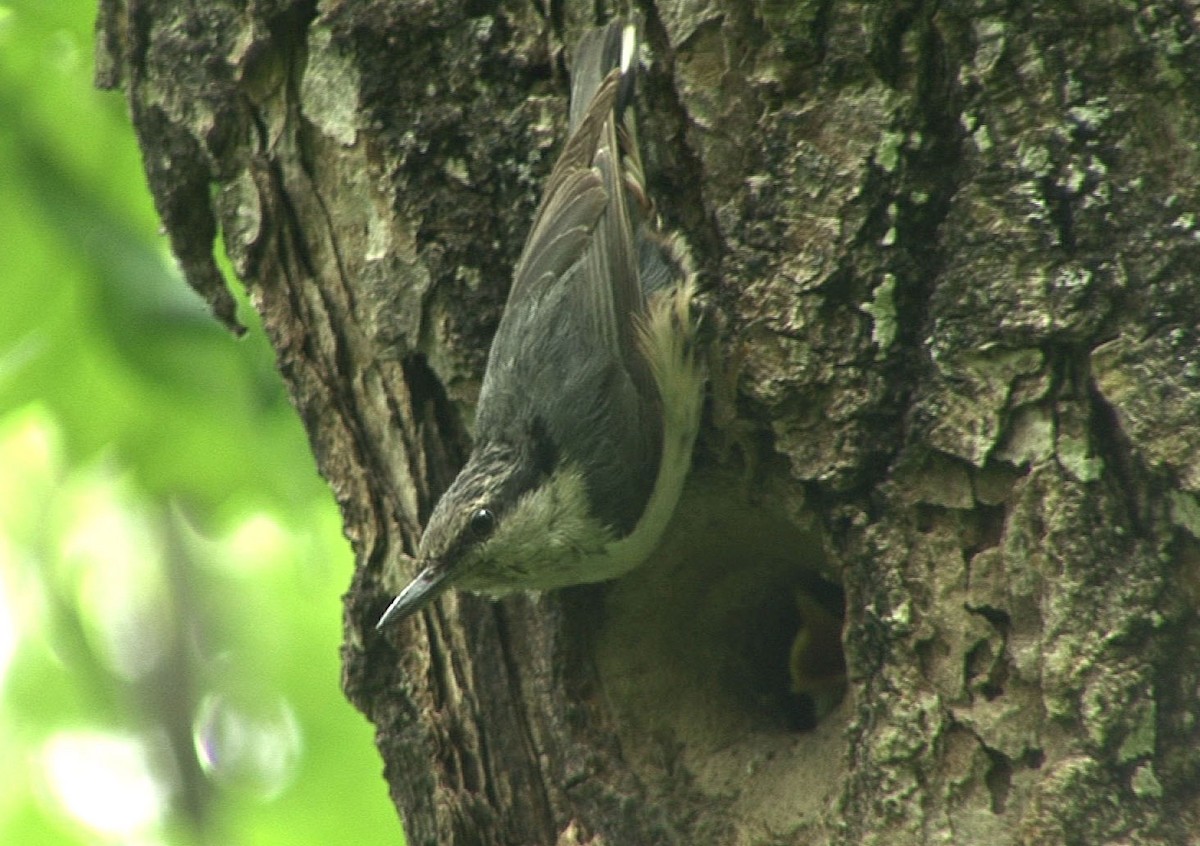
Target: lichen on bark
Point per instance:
(951, 251)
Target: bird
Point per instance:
(592, 394)
(816, 662)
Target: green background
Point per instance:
(170, 562)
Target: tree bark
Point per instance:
(956, 381)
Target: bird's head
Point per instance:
(513, 519)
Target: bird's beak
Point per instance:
(424, 587)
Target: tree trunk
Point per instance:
(955, 382)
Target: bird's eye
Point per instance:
(483, 523)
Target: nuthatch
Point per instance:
(592, 394)
(816, 664)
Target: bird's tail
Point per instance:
(663, 260)
(599, 51)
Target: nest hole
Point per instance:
(734, 628)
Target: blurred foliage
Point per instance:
(170, 562)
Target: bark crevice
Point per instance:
(950, 254)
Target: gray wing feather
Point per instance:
(566, 352)
(552, 248)
(584, 218)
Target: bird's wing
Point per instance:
(583, 234)
(566, 351)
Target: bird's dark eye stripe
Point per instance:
(483, 523)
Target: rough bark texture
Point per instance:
(953, 248)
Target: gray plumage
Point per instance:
(565, 353)
(570, 422)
